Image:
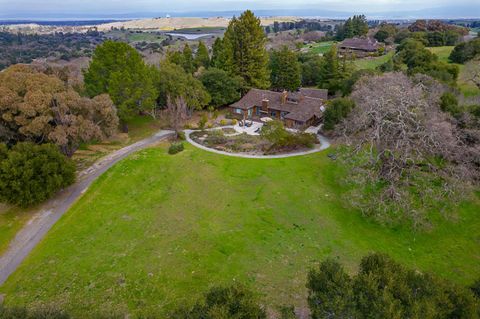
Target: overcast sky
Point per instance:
(13, 7)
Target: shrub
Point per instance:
(234, 122)
(203, 121)
(449, 103)
(337, 110)
(181, 135)
(175, 148)
(383, 288)
(30, 173)
(223, 122)
(280, 138)
(465, 51)
(220, 302)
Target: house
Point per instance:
(296, 109)
(361, 47)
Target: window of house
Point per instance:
(250, 111)
(238, 111)
(273, 113)
(283, 114)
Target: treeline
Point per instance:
(307, 25)
(24, 48)
(465, 51)
(42, 122)
(381, 288)
(355, 26)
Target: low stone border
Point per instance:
(324, 144)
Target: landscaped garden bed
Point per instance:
(274, 141)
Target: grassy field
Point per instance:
(467, 88)
(372, 62)
(13, 218)
(320, 47)
(158, 230)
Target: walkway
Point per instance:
(324, 144)
(33, 232)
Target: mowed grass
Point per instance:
(156, 231)
(371, 63)
(319, 47)
(13, 218)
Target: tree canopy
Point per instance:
(383, 288)
(242, 51)
(41, 108)
(285, 70)
(31, 173)
(119, 70)
(223, 88)
(172, 81)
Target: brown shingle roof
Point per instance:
(364, 44)
(302, 110)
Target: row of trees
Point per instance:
(355, 26)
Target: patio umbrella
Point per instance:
(266, 119)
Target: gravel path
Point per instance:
(324, 144)
(50, 212)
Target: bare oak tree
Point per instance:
(408, 155)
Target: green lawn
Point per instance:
(319, 47)
(12, 219)
(372, 62)
(158, 230)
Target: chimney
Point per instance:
(265, 105)
(284, 96)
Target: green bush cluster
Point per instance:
(224, 302)
(280, 138)
(383, 288)
(337, 110)
(449, 104)
(175, 148)
(465, 51)
(418, 59)
(30, 174)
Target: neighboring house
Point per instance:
(361, 47)
(296, 109)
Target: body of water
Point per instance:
(190, 36)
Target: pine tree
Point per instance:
(244, 52)
(202, 58)
(188, 63)
(286, 70)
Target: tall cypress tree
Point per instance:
(202, 58)
(243, 52)
(188, 64)
(286, 70)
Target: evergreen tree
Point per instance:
(223, 88)
(285, 70)
(243, 51)
(334, 72)
(118, 69)
(188, 63)
(202, 58)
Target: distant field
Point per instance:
(319, 48)
(156, 231)
(133, 36)
(372, 62)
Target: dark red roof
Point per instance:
(363, 44)
(300, 106)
